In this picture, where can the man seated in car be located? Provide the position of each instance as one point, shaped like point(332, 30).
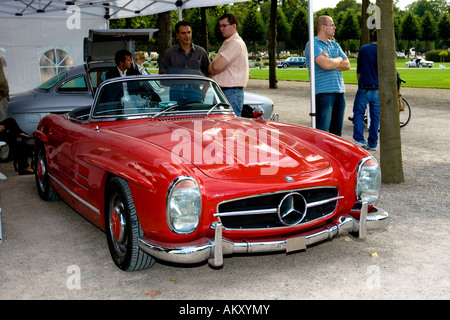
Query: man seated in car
point(123, 65)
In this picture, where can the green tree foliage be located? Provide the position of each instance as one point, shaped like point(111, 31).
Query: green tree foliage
point(283, 27)
point(435, 7)
point(290, 7)
point(411, 29)
point(345, 5)
point(299, 28)
point(292, 26)
point(429, 27)
point(253, 27)
point(348, 27)
point(444, 27)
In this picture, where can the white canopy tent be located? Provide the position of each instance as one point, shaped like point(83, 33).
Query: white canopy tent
point(111, 9)
point(29, 27)
point(26, 40)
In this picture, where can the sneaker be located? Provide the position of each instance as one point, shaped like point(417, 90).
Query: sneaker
point(360, 144)
point(371, 148)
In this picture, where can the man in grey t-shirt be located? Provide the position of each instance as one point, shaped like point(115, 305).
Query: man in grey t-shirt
point(185, 57)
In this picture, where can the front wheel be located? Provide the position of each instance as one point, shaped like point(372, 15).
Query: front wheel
point(123, 229)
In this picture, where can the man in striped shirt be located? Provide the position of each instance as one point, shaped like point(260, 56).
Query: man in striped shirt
point(230, 66)
point(329, 60)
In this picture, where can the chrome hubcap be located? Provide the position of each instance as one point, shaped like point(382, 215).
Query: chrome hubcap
point(117, 225)
point(41, 171)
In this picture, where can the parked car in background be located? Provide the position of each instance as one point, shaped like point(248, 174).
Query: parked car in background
point(419, 63)
point(401, 55)
point(186, 181)
point(293, 62)
point(76, 87)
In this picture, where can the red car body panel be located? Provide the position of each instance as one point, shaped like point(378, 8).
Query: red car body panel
point(231, 159)
point(81, 157)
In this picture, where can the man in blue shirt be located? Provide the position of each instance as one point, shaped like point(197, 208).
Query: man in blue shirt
point(329, 60)
point(367, 74)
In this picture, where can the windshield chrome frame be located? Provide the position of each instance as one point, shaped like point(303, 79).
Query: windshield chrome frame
point(218, 95)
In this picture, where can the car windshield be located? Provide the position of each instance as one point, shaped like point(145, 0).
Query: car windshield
point(158, 96)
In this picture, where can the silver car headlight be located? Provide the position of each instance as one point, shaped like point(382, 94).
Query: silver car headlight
point(368, 182)
point(183, 205)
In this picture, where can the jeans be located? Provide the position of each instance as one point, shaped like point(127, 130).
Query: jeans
point(183, 95)
point(364, 97)
point(330, 108)
point(235, 97)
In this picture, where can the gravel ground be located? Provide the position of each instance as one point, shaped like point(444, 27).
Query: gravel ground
point(51, 252)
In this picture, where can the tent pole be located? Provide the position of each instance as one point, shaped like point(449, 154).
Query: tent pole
point(312, 63)
point(179, 4)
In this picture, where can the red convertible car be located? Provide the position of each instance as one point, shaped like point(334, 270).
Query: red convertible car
point(165, 168)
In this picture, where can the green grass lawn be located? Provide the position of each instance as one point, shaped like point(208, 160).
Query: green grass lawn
point(418, 78)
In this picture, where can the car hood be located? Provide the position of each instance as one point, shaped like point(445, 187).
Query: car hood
point(232, 147)
point(34, 101)
point(25, 96)
point(256, 99)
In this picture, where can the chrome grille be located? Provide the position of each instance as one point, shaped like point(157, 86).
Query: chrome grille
point(265, 211)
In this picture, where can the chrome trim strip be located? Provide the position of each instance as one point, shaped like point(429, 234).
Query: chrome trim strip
point(79, 175)
point(244, 213)
point(78, 184)
point(319, 203)
point(91, 207)
point(73, 179)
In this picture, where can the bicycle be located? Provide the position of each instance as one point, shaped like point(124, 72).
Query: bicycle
point(405, 111)
point(404, 116)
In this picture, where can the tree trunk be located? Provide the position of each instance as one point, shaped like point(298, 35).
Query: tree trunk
point(164, 36)
point(365, 39)
point(204, 29)
point(273, 45)
point(390, 139)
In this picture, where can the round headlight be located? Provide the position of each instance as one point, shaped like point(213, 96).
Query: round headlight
point(183, 205)
point(368, 182)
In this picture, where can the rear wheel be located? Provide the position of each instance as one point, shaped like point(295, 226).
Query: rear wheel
point(405, 115)
point(123, 229)
point(44, 187)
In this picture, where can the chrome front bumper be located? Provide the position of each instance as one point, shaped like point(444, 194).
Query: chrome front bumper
point(214, 250)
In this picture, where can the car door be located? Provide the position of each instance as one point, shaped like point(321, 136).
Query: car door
point(62, 141)
point(74, 92)
point(302, 61)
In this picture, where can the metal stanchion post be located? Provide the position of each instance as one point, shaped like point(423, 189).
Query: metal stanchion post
point(1, 236)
